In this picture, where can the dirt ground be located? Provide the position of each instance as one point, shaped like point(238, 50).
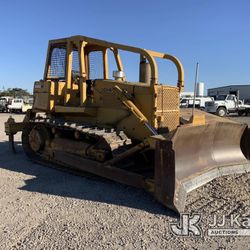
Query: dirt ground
point(43, 208)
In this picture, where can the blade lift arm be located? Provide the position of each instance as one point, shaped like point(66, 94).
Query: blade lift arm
point(133, 109)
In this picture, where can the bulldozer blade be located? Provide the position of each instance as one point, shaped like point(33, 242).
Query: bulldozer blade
point(194, 155)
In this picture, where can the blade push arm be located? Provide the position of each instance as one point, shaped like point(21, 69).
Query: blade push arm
point(134, 110)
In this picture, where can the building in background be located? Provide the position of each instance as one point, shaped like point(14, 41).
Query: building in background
point(243, 90)
point(186, 94)
point(199, 91)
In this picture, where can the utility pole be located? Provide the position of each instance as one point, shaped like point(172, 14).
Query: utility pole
point(195, 86)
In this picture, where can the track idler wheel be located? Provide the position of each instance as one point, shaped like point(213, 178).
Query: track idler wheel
point(34, 138)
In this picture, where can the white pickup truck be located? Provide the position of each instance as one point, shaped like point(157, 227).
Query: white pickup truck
point(18, 105)
point(226, 104)
point(187, 102)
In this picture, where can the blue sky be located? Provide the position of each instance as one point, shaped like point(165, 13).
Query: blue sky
point(215, 33)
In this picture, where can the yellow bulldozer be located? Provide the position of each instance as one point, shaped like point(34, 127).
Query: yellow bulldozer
point(130, 132)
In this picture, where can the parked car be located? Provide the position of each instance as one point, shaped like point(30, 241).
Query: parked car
point(199, 102)
point(226, 104)
point(18, 105)
point(3, 105)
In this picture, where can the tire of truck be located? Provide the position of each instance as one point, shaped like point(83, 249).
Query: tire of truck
point(221, 111)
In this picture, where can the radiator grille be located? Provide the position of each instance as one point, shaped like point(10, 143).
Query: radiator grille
point(168, 107)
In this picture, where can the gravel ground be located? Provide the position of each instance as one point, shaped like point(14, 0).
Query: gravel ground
point(43, 208)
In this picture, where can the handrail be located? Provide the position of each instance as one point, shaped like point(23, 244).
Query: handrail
point(178, 64)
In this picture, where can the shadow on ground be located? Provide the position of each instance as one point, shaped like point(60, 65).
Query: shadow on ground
point(55, 182)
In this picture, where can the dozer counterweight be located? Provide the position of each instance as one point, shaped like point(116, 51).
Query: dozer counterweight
point(130, 132)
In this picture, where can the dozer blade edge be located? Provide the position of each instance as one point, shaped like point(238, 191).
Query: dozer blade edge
point(195, 155)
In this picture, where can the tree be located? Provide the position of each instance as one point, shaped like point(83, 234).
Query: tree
point(15, 92)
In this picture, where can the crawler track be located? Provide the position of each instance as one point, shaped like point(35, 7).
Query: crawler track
point(116, 142)
point(113, 138)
